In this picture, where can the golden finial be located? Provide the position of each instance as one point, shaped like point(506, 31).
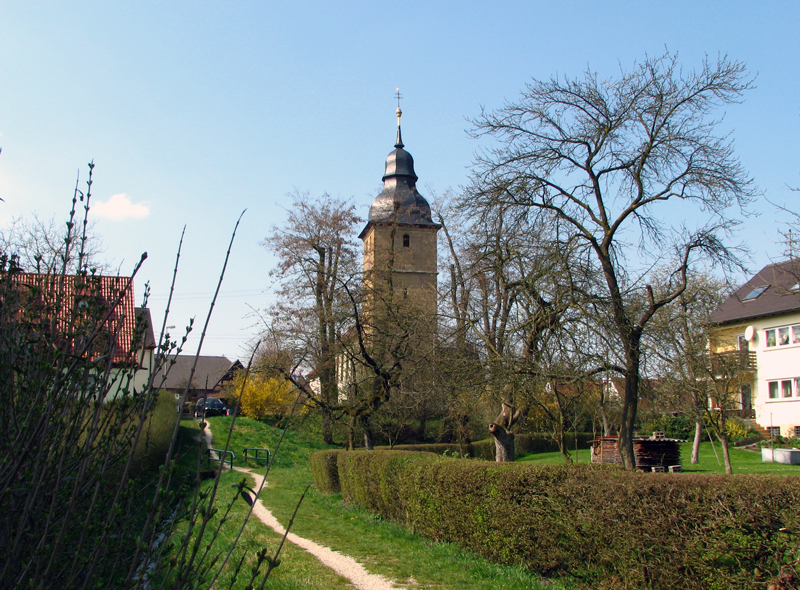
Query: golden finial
point(398, 96)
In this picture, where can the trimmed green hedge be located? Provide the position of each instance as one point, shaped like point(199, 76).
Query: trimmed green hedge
point(529, 443)
point(453, 449)
point(600, 525)
point(484, 449)
point(325, 468)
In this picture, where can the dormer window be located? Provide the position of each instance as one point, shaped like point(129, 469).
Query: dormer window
point(406, 241)
point(755, 293)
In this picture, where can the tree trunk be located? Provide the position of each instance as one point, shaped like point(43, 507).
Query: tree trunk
point(351, 435)
point(604, 418)
point(327, 426)
point(562, 446)
point(628, 425)
point(561, 433)
point(698, 436)
point(366, 426)
point(722, 435)
point(503, 443)
point(726, 454)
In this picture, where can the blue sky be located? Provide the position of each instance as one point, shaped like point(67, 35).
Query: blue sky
point(197, 110)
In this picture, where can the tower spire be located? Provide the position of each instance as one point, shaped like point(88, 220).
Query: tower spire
point(399, 143)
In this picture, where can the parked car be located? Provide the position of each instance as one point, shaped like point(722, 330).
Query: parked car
point(213, 407)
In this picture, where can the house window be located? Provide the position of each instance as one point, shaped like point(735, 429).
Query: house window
point(784, 388)
point(406, 240)
point(774, 430)
point(797, 430)
point(783, 336)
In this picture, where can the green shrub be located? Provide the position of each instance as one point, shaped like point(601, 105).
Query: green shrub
point(157, 431)
point(543, 443)
point(537, 442)
point(483, 449)
point(451, 449)
point(672, 426)
point(738, 430)
point(325, 469)
point(372, 479)
point(600, 525)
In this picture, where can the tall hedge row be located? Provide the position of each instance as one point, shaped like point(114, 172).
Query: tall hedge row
point(529, 443)
point(599, 525)
point(484, 449)
point(325, 469)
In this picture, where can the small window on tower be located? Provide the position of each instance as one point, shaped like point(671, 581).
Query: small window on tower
point(406, 240)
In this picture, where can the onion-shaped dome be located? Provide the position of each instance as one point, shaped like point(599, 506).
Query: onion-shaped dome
point(400, 202)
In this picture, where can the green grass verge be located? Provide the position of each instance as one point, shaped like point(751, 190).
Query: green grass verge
point(742, 460)
point(298, 570)
point(381, 546)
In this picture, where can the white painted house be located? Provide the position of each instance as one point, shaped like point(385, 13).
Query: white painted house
point(763, 316)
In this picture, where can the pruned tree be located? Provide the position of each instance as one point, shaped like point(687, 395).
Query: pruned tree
point(602, 157)
point(316, 250)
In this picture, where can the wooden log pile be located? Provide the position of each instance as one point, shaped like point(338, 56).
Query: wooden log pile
point(649, 452)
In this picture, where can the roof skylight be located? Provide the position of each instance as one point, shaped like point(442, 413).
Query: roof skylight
point(755, 293)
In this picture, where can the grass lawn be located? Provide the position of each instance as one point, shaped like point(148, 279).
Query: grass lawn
point(298, 570)
point(742, 460)
point(382, 547)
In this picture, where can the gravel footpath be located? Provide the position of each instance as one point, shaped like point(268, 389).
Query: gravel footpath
point(342, 564)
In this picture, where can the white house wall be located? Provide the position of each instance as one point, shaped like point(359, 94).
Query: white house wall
point(775, 364)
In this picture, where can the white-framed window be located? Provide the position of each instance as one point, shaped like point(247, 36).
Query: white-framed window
point(774, 430)
point(784, 388)
point(783, 336)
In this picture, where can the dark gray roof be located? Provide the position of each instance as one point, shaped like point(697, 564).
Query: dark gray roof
point(143, 316)
point(780, 296)
point(208, 374)
point(400, 202)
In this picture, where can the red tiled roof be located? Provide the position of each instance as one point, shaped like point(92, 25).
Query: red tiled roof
point(62, 295)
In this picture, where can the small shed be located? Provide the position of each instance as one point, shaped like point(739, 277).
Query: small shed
point(656, 453)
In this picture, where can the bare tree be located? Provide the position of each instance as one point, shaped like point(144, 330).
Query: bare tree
point(677, 343)
point(316, 249)
point(600, 156)
point(39, 245)
point(520, 285)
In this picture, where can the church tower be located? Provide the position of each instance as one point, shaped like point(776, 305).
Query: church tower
point(400, 260)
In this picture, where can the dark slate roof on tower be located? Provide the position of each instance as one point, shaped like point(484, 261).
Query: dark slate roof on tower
point(400, 202)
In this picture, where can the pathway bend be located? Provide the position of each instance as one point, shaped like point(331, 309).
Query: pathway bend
point(344, 565)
